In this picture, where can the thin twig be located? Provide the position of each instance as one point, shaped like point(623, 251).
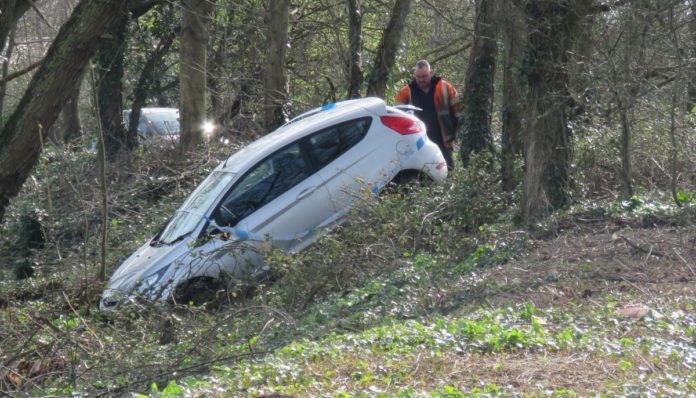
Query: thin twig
point(89, 329)
point(102, 177)
point(189, 370)
point(685, 262)
point(640, 289)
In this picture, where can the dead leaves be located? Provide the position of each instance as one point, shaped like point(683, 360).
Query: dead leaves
point(29, 371)
point(634, 312)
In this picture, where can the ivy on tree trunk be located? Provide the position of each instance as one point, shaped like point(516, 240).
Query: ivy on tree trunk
point(355, 73)
point(554, 26)
point(386, 51)
point(512, 24)
point(275, 79)
point(475, 134)
point(109, 65)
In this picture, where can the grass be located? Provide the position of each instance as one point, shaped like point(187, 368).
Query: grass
point(441, 296)
point(581, 347)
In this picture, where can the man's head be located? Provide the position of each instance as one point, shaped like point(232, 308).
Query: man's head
point(423, 75)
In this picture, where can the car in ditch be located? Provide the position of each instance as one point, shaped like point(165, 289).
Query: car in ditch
point(286, 190)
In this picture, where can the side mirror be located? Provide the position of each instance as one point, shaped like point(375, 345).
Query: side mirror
point(210, 233)
point(216, 232)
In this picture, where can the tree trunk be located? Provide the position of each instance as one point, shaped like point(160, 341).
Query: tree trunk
point(10, 12)
point(355, 73)
point(513, 95)
point(49, 89)
point(6, 68)
point(219, 65)
point(162, 99)
point(146, 82)
point(192, 75)
point(626, 173)
point(691, 85)
point(109, 73)
point(475, 134)
point(387, 48)
point(274, 80)
point(625, 95)
point(674, 174)
point(548, 145)
point(72, 127)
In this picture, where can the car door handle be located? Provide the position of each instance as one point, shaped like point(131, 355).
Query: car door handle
point(306, 192)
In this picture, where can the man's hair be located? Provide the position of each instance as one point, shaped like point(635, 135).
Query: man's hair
point(422, 64)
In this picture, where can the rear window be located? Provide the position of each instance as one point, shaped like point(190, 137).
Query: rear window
point(328, 144)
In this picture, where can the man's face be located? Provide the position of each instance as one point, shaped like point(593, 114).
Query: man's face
point(423, 77)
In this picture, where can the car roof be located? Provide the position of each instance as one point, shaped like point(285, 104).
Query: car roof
point(158, 110)
point(299, 126)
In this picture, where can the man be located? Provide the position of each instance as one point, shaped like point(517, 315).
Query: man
point(437, 99)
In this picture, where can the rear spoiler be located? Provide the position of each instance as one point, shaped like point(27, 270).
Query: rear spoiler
point(408, 108)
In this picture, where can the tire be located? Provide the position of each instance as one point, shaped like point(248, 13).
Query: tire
point(406, 180)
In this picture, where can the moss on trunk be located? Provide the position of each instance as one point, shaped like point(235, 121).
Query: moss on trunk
point(49, 90)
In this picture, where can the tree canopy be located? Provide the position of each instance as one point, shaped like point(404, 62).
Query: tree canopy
point(566, 68)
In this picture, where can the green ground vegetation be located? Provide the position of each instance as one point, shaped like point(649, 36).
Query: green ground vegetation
point(429, 291)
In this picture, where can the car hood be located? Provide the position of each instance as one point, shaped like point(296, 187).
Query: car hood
point(145, 262)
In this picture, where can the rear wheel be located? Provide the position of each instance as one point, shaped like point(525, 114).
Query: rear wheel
point(406, 180)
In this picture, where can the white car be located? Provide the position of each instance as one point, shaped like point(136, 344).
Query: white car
point(286, 189)
point(156, 125)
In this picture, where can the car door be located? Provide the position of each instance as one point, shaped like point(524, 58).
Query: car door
point(281, 199)
point(343, 164)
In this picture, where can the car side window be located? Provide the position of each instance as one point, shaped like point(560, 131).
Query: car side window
point(264, 182)
point(328, 144)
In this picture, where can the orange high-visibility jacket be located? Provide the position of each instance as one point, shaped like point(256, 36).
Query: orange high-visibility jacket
point(445, 99)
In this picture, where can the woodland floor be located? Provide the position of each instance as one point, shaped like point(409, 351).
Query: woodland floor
point(628, 292)
point(638, 271)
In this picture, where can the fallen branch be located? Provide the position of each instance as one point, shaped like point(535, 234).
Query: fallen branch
point(685, 262)
point(640, 249)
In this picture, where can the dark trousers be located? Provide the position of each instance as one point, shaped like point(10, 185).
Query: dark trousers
point(447, 153)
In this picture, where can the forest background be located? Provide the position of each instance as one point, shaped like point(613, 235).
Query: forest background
point(575, 116)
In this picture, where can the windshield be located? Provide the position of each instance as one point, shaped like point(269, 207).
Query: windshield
point(165, 123)
point(155, 121)
point(194, 208)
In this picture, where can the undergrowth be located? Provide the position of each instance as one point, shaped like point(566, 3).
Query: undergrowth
point(427, 291)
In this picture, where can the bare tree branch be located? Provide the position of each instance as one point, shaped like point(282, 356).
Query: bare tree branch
point(41, 16)
point(20, 72)
point(605, 7)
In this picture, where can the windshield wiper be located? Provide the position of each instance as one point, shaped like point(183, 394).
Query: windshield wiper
point(177, 239)
point(156, 241)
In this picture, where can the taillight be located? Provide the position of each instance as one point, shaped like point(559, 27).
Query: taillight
point(403, 124)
